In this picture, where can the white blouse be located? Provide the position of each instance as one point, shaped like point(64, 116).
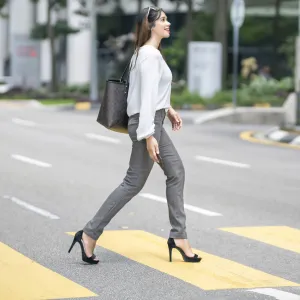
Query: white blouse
point(149, 88)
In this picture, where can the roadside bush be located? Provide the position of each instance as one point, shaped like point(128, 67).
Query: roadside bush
point(76, 89)
point(244, 98)
point(185, 97)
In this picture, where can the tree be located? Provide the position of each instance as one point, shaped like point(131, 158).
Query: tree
point(155, 2)
point(189, 28)
point(51, 31)
point(188, 19)
point(276, 32)
point(140, 5)
point(221, 31)
point(2, 5)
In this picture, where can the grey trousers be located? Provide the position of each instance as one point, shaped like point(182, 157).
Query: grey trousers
point(140, 166)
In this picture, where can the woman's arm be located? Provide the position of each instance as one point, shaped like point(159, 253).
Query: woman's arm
point(150, 76)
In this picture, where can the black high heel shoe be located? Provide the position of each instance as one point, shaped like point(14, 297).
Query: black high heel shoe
point(171, 245)
point(78, 239)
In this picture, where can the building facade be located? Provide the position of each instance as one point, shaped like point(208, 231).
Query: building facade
point(23, 15)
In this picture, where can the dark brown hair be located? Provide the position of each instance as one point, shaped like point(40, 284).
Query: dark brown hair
point(144, 23)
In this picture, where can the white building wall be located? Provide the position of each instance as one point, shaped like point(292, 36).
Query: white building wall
point(21, 17)
point(78, 48)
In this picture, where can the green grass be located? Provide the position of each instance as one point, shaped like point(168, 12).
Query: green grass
point(56, 101)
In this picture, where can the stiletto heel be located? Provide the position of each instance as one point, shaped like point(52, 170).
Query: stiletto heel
point(171, 245)
point(85, 258)
point(170, 252)
point(73, 243)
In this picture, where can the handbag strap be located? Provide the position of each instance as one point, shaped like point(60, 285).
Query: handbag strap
point(123, 75)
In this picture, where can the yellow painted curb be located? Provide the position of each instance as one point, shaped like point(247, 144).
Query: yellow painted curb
point(248, 136)
point(83, 106)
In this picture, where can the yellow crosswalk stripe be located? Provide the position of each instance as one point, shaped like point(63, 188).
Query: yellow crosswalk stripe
point(280, 236)
point(23, 278)
point(212, 273)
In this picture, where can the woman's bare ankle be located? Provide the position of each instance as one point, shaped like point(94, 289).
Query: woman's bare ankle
point(88, 238)
point(89, 244)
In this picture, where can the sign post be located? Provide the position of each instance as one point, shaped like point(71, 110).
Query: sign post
point(237, 15)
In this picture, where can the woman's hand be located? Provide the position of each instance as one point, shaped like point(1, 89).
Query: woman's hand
point(175, 119)
point(152, 147)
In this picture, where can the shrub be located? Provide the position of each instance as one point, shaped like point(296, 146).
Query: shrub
point(185, 97)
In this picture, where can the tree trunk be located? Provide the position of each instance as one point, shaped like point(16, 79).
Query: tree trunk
point(140, 5)
point(276, 29)
point(155, 2)
point(52, 49)
point(220, 33)
point(189, 21)
point(189, 31)
point(276, 23)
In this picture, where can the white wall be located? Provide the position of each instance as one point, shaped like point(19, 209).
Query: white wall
point(21, 17)
point(78, 48)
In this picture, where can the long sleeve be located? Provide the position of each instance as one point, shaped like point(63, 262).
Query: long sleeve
point(150, 75)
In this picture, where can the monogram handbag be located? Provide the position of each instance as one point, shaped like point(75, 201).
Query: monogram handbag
point(113, 109)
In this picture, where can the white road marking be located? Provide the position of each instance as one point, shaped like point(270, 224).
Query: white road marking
point(102, 138)
point(31, 161)
point(35, 209)
point(187, 206)
point(277, 294)
point(23, 122)
point(223, 162)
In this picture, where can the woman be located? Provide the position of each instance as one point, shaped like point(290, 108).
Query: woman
point(148, 104)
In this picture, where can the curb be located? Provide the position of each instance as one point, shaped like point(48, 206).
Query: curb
point(283, 136)
point(275, 137)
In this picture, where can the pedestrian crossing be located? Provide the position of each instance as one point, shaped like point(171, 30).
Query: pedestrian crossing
point(34, 281)
point(213, 273)
point(279, 236)
point(23, 278)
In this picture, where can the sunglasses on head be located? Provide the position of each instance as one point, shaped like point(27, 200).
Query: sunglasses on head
point(154, 8)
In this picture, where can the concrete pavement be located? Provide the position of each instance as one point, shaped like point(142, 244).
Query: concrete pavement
point(67, 164)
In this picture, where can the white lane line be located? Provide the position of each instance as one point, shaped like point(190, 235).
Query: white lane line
point(102, 138)
point(35, 209)
point(279, 295)
point(31, 161)
point(23, 122)
point(223, 162)
point(186, 206)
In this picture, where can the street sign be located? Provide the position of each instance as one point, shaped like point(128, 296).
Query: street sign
point(25, 61)
point(237, 13)
point(205, 68)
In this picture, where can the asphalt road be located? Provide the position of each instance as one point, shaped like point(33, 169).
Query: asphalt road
point(242, 205)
